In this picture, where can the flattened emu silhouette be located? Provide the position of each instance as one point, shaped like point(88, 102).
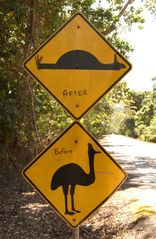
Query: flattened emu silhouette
point(79, 60)
point(71, 175)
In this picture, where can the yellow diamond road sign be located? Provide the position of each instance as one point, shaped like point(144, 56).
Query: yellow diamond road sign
point(75, 175)
point(77, 65)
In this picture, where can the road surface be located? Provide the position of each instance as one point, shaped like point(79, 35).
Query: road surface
point(138, 158)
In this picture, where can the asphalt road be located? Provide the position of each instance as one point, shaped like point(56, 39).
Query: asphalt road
point(138, 158)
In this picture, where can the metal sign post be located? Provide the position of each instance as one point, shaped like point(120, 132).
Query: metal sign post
point(76, 233)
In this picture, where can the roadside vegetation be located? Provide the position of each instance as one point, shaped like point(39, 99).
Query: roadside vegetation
point(29, 117)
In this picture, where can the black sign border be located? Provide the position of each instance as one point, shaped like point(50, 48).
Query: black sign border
point(44, 197)
point(100, 35)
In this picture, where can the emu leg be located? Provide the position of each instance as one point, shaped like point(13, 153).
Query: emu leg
point(72, 191)
point(65, 192)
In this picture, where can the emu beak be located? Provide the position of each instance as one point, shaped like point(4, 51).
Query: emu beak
point(97, 152)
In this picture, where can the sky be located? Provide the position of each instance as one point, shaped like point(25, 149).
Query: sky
point(143, 59)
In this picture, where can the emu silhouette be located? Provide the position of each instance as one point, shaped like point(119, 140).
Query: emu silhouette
point(70, 175)
point(78, 59)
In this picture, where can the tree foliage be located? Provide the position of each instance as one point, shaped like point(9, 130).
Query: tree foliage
point(151, 6)
point(97, 120)
point(134, 113)
point(145, 117)
point(28, 115)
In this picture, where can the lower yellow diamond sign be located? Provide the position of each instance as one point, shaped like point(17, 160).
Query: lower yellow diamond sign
point(75, 174)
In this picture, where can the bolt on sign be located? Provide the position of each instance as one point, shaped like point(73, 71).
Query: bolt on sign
point(77, 65)
point(76, 169)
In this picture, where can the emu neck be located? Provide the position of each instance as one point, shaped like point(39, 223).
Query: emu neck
point(91, 175)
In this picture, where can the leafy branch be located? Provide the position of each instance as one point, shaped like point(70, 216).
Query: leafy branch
point(113, 25)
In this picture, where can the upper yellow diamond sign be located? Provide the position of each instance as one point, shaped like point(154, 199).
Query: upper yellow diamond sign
point(77, 65)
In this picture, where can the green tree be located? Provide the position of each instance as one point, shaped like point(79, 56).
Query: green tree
point(145, 115)
point(151, 6)
point(20, 35)
point(150, 131)
point(97, 120)
point(122, 121)
point(28, 114)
